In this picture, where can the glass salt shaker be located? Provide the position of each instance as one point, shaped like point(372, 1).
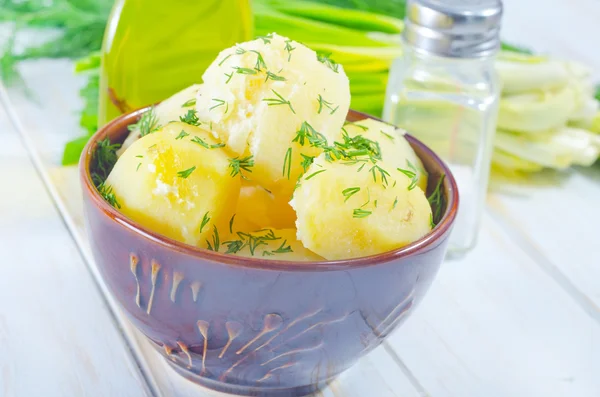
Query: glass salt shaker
point(444, 90)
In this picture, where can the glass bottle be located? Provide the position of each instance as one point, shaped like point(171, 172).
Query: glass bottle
point(445, 91)
point(154, 48)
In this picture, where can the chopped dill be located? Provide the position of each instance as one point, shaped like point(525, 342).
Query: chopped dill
point(191, 118)
point(350, 192)
point(186, 173)
point(279, 101)
point(187, 104)
point(287, 163)
point(328, 105)
point(205, 221)
point(238, 165)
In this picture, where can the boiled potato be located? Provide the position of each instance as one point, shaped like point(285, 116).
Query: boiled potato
point(261, 209)
point(259, 94)
point(177, 182)
point(271, 244)
point(171, 109)
point(344, 213)
point(395, 149)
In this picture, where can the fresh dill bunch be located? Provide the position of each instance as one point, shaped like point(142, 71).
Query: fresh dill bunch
point(107, 193)
point(147, 124)
point(103, 160)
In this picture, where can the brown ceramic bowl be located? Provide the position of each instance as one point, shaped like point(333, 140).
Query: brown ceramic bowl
point(250, 326)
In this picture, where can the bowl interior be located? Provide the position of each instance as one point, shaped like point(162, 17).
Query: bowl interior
point(117, 132)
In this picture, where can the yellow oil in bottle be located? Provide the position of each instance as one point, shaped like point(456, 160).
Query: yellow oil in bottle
point(154, 48)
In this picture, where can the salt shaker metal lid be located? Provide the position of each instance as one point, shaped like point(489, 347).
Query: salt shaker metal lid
point(454, 28)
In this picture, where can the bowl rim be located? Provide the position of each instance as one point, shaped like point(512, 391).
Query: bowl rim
point(422, 245)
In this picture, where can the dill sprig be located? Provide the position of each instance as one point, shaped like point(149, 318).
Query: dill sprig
point(436, 200)
point(328, 105)
point(220, 102)
point(347, 193)
point(395, 203)
point(229, 77)
point(314, 174)
point(283, 248)
point(274, 77)
point(306, 161)
point(260, 61)
point(360, 213)
point(266, 39)
point(225, 59)
point(383, 174)
point(287, 163)
point(186, 173)
point(412, 173)
point(240, 51)
point(188, 103)
point(107, 193)
point(231, 223)
point(238, 165)
point(147, 124)
point(323, 57)
point(388, 136)
point(216, 243)
point(205, 221)
point(191, 118)
point(204, 144)
point(182, 135)
point(279, 101)
point(289, 49)
point(308, 133)
point(240, 70)
point(103, 160)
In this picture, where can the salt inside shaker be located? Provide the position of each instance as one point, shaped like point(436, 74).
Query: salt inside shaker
point(444, 90)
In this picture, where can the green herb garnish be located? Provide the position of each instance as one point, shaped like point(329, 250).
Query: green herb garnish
point(436, 200)
point(147, 124)
point(239, 70)
point(220, 102)
point(328, 105)
point(383, 174)
point(187, 104)
point(275, 77)
point(323, 57)
point(107, 193)
point(205, 221)
point(186, 173)
point(314, 174)
point(182, 135)
point(278, 101)
point(216, 244)
point(287, 163)
point(191, 118)
point(260, 61)
point(229, 76)
point(231, 223)
point(266, 39)
point(281, 250)
point(388, 136)
point(360, 213)
point(350, 192)
point(289, 49)
point(306, 161)
point(204, 144)
point(103, 160)
point(238, 165)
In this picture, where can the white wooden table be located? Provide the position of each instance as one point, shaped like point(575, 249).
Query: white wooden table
point(519, 316)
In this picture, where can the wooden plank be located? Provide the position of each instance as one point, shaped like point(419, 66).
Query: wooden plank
point(495, 325)
point(52, 127)
point(57, 337)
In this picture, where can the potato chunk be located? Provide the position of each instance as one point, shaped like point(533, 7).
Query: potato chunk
point(348, 210)
point(259, 94)
point(260, 209)
point(177, 182)
point(271, 244)
point(395, 149)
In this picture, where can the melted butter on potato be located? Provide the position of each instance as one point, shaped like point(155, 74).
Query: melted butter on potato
point(345, 212)
point(260, 93)
point(175, 186)
point(261, 209)
point(395, 149)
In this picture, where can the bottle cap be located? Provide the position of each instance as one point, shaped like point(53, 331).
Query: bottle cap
point(454, 28)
